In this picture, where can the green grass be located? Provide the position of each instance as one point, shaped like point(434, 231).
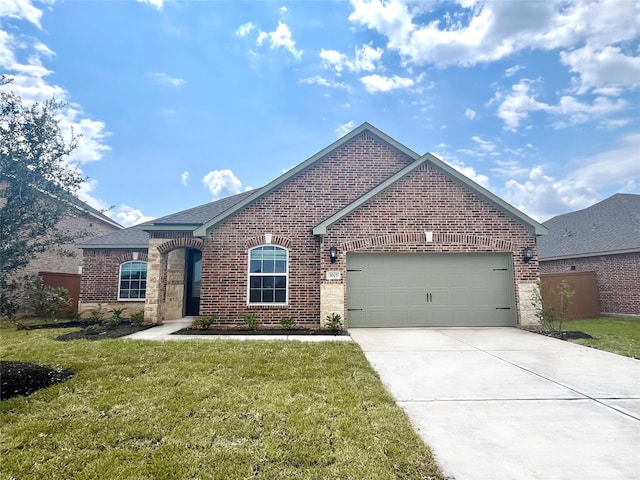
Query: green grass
point(211, 410)
point(613, 334)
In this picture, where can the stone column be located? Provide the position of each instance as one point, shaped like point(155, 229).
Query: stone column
point(527, 312)
point(154, 279)
point(175, 286)
point(331, 301)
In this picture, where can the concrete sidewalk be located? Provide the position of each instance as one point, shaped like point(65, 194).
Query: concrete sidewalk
point(502, 403)
point(164, 332)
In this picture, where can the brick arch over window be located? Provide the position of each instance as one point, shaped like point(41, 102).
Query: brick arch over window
point(420, 238)
point(196, 243)
point(128, 257)
point(268, 239)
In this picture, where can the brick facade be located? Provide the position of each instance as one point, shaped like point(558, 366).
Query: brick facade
point(53, 261)
point(100, 278)
point(424, 200)
point(393, 221)
point(618, 279)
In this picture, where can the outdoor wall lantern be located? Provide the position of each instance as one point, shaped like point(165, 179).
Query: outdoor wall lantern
point(527, 254)
point(333, 254)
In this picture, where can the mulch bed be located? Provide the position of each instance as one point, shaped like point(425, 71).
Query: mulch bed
point(102, 332)
point(22, 378)
point(259, 331)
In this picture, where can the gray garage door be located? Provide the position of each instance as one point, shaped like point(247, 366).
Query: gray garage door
point(405, 290)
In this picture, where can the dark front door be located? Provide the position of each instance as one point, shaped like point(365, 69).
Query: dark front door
point(194, 277)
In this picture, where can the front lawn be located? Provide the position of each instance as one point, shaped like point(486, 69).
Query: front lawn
point(205, 409)
point(614, 334)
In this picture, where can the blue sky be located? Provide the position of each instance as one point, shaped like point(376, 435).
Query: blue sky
point(182, 102)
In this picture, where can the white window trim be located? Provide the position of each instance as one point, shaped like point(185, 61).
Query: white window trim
point(286, 275)
point(120, 280)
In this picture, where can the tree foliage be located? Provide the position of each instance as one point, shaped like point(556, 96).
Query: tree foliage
point(37, 186)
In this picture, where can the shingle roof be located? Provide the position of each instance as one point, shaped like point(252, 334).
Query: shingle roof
point(612, 225)
point(132, 237)
point(138, 236)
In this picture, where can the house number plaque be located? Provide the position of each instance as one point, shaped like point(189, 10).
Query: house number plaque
point(334, 275)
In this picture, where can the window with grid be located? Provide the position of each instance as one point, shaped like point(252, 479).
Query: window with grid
point(133, 281)
point(268, 274)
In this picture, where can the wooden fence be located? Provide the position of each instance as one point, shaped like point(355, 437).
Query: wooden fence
point(70, 281)
point(586, 301)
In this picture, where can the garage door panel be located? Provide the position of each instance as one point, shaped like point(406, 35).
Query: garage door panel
point(430, 290)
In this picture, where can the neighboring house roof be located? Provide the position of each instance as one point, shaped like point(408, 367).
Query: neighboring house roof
point(97, 214)
point(138, 236)
point(534, 227)
point(608, 227)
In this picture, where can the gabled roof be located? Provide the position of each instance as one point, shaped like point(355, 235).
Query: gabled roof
point(365, 127)
point(132, 237)
point(610, 226)
point(534, 227)
point(194, 217)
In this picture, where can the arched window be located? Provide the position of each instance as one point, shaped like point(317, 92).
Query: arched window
point(268, 275)
point(133, 281)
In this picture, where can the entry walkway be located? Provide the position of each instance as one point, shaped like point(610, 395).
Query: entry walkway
point(502, 403)
point(164, 332)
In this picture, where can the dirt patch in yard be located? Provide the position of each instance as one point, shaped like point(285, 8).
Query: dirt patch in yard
point(101, 332)
point(23, 378)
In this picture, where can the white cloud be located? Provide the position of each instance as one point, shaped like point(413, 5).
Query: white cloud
point(21, 9)
point(489, 31)
point(245, 29)
point(124, 214)
point(468, 171)
point(155, 3)
point(91, 135)
point(165, 79)
point(185, 178)
point(376, 83)
point(543, 196)
point(509, 72)
point(605, 68)
point(484, 145)
point(365, 59)
point(129, 216)
point(319, 80)
point(222, 183)
point(280, 38)
point(345, 128)
point(470, 114)
point(514, 107)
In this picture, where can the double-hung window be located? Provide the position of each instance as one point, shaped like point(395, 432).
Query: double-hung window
point(268, 275)
point(133, 281)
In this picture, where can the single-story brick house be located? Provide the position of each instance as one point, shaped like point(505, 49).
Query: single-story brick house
point(603, 238)
point(365, 228)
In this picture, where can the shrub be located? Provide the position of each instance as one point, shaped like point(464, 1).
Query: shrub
point(251, 320)
point(137, 317)
point(92, 329)
point(288, 323)
point(112, 322)
point(204, 323)
point(96, 315)
point(117, 312)
point(71, 315)
point(52, 300)
point(334, 322)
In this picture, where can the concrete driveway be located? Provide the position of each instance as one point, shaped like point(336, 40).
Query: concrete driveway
point(502, 403)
